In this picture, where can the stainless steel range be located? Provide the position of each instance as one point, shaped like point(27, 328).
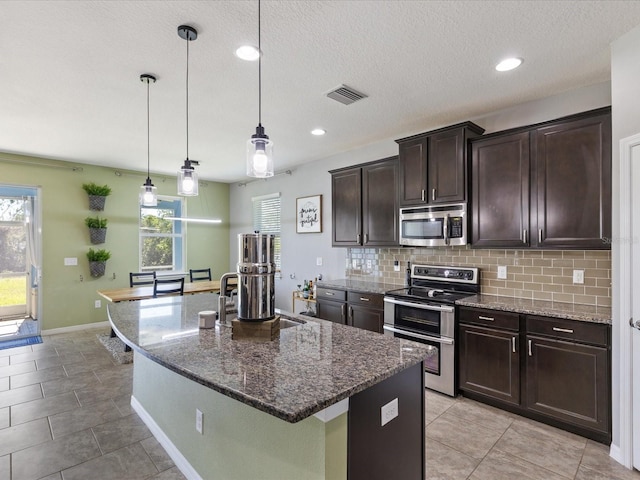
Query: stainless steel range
point(425, 312)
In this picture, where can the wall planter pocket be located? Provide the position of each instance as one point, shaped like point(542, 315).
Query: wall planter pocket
point(97, 229)
point(97, 261)
point(97, 195)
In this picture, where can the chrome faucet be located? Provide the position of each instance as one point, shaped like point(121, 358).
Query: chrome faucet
point(222, 299)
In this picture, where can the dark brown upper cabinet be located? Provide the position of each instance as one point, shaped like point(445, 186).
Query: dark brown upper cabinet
point(433, 165)
point(500, 191)
point(544, 186)
point(365, 204)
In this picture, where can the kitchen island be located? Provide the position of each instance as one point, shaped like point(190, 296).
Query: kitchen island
point(320, 401)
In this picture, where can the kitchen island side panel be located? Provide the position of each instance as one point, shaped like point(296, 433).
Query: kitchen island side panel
point(238, 441)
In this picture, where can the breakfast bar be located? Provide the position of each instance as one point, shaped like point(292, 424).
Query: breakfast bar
point(321, 401)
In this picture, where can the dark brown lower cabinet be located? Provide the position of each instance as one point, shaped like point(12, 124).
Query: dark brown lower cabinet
point(568, 382)
point(553, 370)
point(489, 363)
point(360, 310)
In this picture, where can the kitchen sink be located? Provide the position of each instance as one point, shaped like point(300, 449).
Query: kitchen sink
point(286, 322)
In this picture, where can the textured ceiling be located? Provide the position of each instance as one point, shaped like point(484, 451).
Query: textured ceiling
point(70, 89)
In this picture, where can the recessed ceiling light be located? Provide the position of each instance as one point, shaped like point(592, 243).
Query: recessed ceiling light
point(248, 52)
point(509, 64)
point(318, 131)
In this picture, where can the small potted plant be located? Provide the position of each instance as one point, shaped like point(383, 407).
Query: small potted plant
point(98, 261)
point(97, 195)
point(97, 229)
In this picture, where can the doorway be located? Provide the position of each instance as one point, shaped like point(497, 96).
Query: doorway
point(20, 246)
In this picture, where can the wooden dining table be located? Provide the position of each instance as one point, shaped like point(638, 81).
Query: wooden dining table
point(146, 291)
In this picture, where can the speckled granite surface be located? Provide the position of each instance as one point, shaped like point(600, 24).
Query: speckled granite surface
point(571, 311)
point(308, 368)
point(359, 285)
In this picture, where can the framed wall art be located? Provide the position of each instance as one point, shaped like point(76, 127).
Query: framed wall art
point(309, 214)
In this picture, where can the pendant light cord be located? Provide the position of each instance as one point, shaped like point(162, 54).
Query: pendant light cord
point(148, 148)
point(188, 40)
point(259, 71)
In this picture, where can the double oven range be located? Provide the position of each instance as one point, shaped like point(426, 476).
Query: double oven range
point(425, 312)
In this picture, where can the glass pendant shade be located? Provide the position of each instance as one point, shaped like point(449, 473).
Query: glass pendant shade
point(148, 194)
point(259, 155)
point(187, 180)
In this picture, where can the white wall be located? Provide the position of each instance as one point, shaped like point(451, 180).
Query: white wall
point(299, 251)
point(625, 103)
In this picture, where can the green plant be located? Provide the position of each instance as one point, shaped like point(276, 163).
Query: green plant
point(97, 190)
point(98, 255)
point(95, 222)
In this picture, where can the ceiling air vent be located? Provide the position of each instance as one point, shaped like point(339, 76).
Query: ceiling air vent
point(345, 95)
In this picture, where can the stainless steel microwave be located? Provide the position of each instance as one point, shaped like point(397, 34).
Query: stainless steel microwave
point(439, 225)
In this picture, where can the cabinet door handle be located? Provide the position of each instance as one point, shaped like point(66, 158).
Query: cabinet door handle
point(351, 313)
point(524, 236)
point(480, 317)
point(539, 235)
point(530, 354)
point(364, 299)
point(513, 344)
point(358, 238)
point(342, 312)
point(366, 238)
point(331, 294)
point(433, 194)
point(423, 195)
point(565, 330)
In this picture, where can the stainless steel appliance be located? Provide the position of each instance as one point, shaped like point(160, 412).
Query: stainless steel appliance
point(425, 312)
point(256, 277)
point(434, 226)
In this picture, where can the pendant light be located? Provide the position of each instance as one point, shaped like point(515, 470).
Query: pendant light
point(187, 176)
point(148, 192)
point(259, 147)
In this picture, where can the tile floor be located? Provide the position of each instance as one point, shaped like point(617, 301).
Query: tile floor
point(65, 415)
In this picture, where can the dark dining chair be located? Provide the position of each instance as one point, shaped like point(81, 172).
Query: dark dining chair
point(168, 286)
point(232, 288)
point(141, 278)
point(199, 274)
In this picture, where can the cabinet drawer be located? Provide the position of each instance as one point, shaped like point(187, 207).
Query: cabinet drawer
point(493, 318)
point(331, 294)
point(593, 333)
point(373, 300)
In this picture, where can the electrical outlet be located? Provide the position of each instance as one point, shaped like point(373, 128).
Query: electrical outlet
point(578, 276)
point(318, 261)
point(97, 304)
point(369, 264)
point(388, 412)
point(199, 420)
point(502, 272)
point(396, 266)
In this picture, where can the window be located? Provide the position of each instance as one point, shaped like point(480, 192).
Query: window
point(162, 239)
point(266, 219)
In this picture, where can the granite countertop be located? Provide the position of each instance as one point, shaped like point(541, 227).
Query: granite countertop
point(359, 285)
point(308, 368)
point(571, 311)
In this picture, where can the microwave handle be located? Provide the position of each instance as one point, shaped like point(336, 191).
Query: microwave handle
point(446, 230)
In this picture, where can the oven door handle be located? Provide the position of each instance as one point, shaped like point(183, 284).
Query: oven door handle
point(444, 341)
point(421, 306)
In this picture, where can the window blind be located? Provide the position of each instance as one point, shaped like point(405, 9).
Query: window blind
point(266, 219)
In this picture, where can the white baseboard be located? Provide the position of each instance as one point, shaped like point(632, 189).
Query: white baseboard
point(75, 328)
point(183, 465)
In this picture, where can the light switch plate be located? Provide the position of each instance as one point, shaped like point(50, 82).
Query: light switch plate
point(318, 261)
point(97, 304)
point(70, 261)
point(388, 412)
point(578, 276)
point(502, 272)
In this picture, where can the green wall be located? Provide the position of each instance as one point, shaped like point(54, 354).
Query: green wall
point(238, 442)
point(68, 300)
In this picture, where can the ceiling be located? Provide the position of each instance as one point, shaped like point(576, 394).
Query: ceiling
point(70, 88)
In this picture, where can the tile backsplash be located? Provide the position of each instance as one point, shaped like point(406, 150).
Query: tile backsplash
point(536, 274)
